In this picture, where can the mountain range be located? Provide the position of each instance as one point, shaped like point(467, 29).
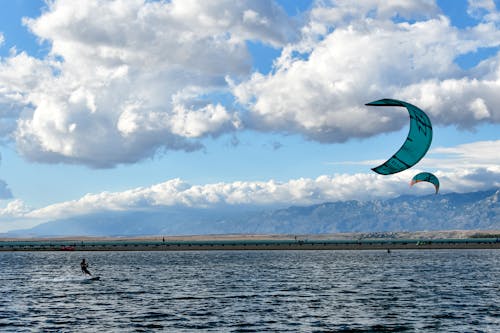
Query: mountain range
point(452, 211)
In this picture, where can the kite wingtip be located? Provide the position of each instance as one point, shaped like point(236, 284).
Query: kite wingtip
point(386, 102)
point(377, 171)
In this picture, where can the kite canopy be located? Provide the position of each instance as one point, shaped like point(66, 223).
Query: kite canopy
point(417, 143)
point(426, 177)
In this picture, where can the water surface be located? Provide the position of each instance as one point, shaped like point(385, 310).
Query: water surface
point(246, 291)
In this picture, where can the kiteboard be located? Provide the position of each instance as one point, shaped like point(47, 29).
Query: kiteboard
point(95, 278)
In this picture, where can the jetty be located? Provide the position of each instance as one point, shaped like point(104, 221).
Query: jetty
point(246, 242)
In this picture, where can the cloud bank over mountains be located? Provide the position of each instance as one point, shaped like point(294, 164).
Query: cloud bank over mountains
point(470, 211)
point(176, 193)
point(144, 76)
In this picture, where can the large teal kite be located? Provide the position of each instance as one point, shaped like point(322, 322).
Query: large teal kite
point(426, 177)
point(417, 143)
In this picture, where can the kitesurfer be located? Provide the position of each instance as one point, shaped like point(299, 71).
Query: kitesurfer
point(84, 265)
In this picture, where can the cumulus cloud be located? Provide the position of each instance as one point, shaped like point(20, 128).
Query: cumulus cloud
point(15, 208)
point(353, 53)
point(147, 75)
point(137, 77)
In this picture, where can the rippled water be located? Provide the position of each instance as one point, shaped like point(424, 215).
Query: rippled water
point(438, 290)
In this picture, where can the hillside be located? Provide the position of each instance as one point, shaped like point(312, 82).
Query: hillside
point(454, 211)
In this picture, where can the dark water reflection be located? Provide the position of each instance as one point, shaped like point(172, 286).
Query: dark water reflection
point(349, 291)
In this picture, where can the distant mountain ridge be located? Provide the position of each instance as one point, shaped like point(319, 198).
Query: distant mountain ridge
point(453, 211)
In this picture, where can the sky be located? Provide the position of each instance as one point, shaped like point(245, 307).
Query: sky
point(133, 105)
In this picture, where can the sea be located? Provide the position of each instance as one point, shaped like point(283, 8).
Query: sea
point(252, 291)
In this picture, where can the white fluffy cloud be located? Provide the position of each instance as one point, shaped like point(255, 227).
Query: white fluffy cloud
point(124, 78)
point(14, 209)
point(352, 53)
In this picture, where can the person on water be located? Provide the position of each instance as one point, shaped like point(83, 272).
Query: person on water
point(84, 265)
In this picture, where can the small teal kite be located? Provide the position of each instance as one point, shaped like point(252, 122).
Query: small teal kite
point(426, 177)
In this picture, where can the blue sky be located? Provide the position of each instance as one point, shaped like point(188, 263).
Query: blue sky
point(136, 105)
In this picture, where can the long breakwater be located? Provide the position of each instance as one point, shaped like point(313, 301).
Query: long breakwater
point(202, 245)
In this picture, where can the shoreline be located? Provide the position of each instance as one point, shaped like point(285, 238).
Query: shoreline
point(246, 244)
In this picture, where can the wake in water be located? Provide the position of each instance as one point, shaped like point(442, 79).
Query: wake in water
point(63, 275)
point(72, 278)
